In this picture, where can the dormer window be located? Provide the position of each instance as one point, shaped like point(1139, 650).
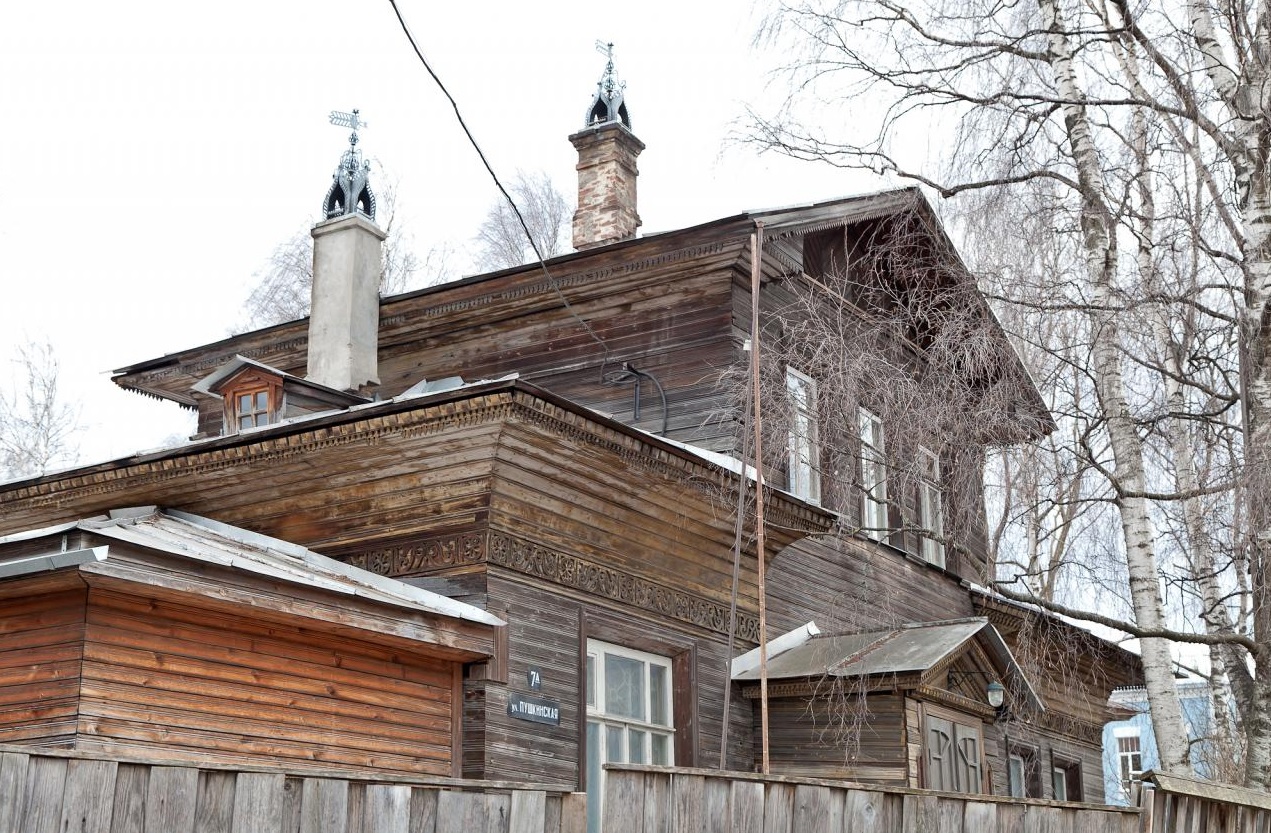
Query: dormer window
point(252, 409)
point(252, 399)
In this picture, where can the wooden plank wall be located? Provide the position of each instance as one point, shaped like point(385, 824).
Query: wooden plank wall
point(46, 793)
point(178, 682)
point(665, 800)
point(41, 649)
point(837, 734)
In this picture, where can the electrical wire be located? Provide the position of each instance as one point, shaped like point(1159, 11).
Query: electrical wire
point(517, 211)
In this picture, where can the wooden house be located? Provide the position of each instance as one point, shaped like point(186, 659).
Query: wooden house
point(574, 469)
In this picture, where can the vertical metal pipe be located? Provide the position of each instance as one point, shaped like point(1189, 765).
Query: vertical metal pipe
point(756, 268)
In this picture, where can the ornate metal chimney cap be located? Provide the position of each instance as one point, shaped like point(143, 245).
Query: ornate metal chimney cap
point(350, 191)
point(607, 105)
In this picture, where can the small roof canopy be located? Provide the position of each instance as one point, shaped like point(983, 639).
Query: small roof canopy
point(912, 649)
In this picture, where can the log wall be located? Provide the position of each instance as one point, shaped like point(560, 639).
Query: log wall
point(41, 651)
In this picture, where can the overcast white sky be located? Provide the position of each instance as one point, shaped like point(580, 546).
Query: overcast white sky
point(156, 152)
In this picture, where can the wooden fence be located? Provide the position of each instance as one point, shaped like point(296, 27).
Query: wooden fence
point(46, 791)
point(672, 800)
point(1173, 803)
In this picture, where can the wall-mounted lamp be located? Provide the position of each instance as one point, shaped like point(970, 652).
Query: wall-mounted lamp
point(996, 694)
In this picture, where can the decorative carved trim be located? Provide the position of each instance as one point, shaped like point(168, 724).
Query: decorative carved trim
point(414, 557)
point(615, 585)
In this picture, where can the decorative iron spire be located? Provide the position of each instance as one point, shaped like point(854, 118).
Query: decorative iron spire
point(607, 105)
point(350, 191)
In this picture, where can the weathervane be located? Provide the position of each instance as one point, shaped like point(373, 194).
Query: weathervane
point(350, 192)
point(608, 105)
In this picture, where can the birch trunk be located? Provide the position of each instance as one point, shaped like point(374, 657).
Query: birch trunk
point(1127, 450)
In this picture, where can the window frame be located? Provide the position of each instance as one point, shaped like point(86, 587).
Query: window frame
point(1127, 774)
point(930, 507)
point(1029, 771)
point(596, 713)
point(962, 727)
point(251, 383)
point(871, 433)
point(803, 472)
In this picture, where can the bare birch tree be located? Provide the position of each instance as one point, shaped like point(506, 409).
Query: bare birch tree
point(1109, 109)
point(37, 427)
point(501, 242)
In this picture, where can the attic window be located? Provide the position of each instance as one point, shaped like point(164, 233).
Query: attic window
point(252, 408)
point(252, 399)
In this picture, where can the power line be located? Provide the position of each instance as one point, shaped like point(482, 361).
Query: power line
point(517, 211)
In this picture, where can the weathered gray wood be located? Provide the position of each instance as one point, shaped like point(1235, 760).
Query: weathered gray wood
point(624, 807)
point(13, 789)
point(292, 798)
point(657, 802)
point(746, 806)
point(258, 802)
point(214, 812)
point(812, 809)
point(864, 812)
point(921, 814)
point(778, 810)
point(46, 781)
point(131, 785)
point(89, 800)
point(171, 798)
point(459, 812)
point(423, 811)
point(688, 802)
point(573, 813)
point(978, 815)
point(498, 808)
point(386, 809)
point(715, 817)
point(324, 806)
point(529, 812)
point(949, 815)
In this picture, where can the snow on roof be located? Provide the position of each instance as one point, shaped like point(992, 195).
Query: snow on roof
point(211, 542)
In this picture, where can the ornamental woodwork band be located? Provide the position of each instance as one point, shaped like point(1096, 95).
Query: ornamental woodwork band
point(416, 557)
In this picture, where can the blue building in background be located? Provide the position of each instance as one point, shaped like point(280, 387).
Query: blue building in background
point(1129, 746)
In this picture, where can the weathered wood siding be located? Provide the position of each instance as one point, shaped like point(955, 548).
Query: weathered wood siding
point(838, 733)
point(849, 584)
point(187, 683)
point(41, 651)
point(58, 792)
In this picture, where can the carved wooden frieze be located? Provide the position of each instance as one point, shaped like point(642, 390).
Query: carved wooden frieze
point(414, 557)
point(615, 585)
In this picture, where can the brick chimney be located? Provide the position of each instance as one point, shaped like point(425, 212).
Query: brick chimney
point(607, 151)
point(344, 317)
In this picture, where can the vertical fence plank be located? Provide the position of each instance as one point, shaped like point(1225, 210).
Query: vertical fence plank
point(657, 802)
point(687, 799)
point(747, 807)
point(865, 812)
point(423, 810)
point(131, 785)
point(778, 808)
point(811, 809)
point(716, 817)
point(258, 802)
point(949, 815)
point(497, 810)
point(89, 800)
point(214, 810)
point(459, 812)
point(171, 796)
point(920, 814)
point(13, 789)
point(979, 815)
point(46, 781)
point(529, 812)
point(386, 809)
point(573, 813)
point(624, 805)
point(324, 806)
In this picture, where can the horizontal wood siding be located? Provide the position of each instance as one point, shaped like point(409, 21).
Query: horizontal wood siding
point(189, 683)
point(41, 652)
point(849, 585)
point(838, 734)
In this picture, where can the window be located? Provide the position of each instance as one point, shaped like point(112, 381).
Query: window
point(873, 476)
point(804, 478)
point(1129, 757)
point(1022, 776)
point(952, 755)
point(629, 714)
point(930, 506)
point(1065, 778)
point(252, 409)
